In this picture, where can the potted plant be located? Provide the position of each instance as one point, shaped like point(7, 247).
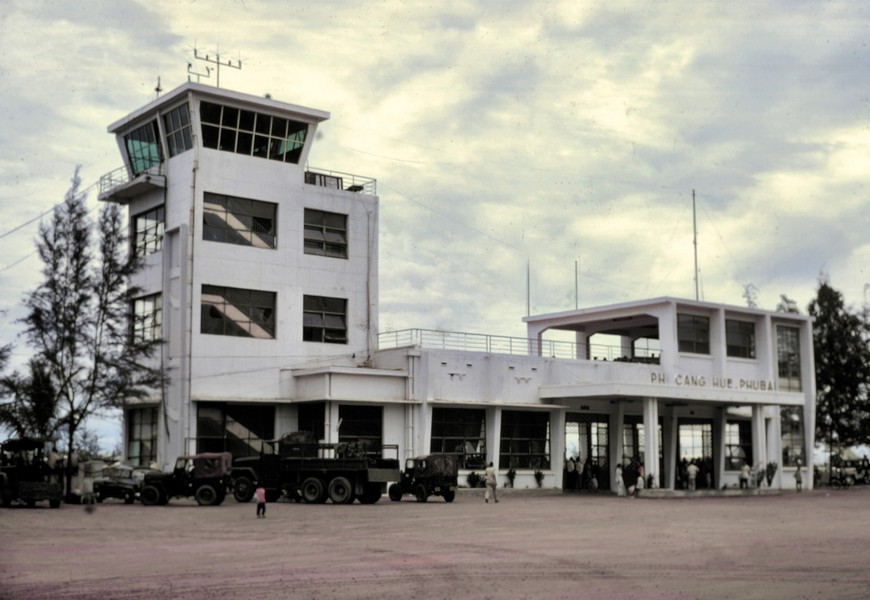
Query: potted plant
point(473, 480)
point(539, 477)
point(770, 471)
point(511, 475)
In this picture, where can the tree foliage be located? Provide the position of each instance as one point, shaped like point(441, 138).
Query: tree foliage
point(77, 319)
point(842, 357)
point(33, 408)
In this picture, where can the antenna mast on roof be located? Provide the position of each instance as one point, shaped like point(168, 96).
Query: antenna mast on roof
point(214, 60)
point(695, 230)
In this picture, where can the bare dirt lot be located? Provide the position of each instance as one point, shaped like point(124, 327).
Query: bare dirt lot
point(533, 544)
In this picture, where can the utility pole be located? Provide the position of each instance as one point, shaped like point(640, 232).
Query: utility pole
point(695, 230)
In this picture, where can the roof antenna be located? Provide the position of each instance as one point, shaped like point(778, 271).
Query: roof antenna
point(158, 89)
point(214, 60)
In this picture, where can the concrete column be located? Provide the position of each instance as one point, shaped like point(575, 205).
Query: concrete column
point(651, 438)
point(614, 444)
point(493, 436)
point(670, 432)
point(719, 426)
point(759, 441)
point(557, 445)
point(774, 443)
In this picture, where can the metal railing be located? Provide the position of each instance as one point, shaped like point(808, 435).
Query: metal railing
point(121, 176)
point(341, 181)
point(494, 344)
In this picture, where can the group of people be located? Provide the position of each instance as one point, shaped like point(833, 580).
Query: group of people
point(632, 478)
point(580, 475)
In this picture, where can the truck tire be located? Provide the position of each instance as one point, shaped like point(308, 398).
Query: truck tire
point(243, 489)
point(449, 495)
point(341, 490)
point(395, 492)
point(206, 495)
point(129, 497)
point(312, 491)
point(54, 503)
point(421, 493)
point(150, 495)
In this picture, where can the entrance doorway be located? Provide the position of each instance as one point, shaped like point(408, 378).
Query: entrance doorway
point(586, 441)
point(695, 447)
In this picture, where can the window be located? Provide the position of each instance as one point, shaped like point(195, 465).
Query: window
point(233, 311)
point(696, 440)
point(238, 221)
point(740, 338)
point(312, 418)
point(236, 428)
point(525, 440)
point(324, 320)
point(694, 334)
point(738, 445)
point(325, 233)
point(361, 424)
point(142, 436)
point(143, 151)
point(792, 426)
point(462, 432)
point(176, 123)
point(148, 318)
point(148, 232)
point(788, 358)
point(251, 133)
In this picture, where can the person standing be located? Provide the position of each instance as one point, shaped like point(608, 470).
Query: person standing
point(620, 482)
point(744, 475)
point(261, 501)
point(692, 474)
point(491, 483)
point(798, 478)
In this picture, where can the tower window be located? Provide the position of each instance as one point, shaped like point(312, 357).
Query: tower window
point(143, 151)
point(325, 233)
point(324, 320)
point(252, 133)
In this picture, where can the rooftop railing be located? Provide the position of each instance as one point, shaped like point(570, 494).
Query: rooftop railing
point(338, 180)
point(477, 342)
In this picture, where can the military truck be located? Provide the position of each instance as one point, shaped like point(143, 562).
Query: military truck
point(297, 466)
point(204, 476)
point(424, 476)
point(29, 472)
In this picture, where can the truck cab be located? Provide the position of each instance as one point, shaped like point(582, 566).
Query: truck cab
point(204, 476)
point(424, 476)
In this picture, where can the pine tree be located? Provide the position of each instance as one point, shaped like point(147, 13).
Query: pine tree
point(77, 320)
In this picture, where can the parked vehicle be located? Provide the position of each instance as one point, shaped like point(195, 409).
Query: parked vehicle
point(29, 473)
point(120, 481)
point(424, 476)
point(205, 477)
point(836, 477)
point(302, 469)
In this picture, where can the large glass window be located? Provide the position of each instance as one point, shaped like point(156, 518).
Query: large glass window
point(237, 312)
point(240, 221)
point(148, 232)
point(740, 338)
point(792, 427)
point(312, 418)
point(251, 133)
point(525, 440)
point(143, 150)
point(325, 233)
point(176, 123)
point(361, 424)
point(738, 445)
point(696, 446)
point(142, 436)
point(148, 318)
point(237, 428)
point(788, 358)
point(324, 320)
point(460, 431)
point(693, 334)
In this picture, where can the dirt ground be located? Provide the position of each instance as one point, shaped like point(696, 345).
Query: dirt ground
point(533, 544)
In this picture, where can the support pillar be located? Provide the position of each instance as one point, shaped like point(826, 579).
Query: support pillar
point(651, 438)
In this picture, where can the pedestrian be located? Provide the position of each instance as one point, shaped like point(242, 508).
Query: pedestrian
point(744, 475)
point(620, 482)
point(491, 483)
point(692, 474)
point(798, 478)
point(261, 501)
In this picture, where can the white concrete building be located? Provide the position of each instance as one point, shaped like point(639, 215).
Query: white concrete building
point(261, 275)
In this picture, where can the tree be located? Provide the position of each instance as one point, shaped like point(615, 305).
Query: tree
point(77, 319)
point(842, 357)
point(33, 409)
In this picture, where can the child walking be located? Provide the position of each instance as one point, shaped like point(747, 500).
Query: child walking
point(261, 502)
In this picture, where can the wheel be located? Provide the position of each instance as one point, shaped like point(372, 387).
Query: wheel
point(395, 492)
point(371, 494)
point(99, 498)
point(312, 491)
point(221, 496)
point(449, 495)
point(128, 498)
point(341, 490)
point(206, 495)
point(421, 493)
point(54, 503)
point(243, 489)
point(150, 496)
point(836, 484)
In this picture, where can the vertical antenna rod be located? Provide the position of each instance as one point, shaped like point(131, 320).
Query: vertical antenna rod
point(695, 230)
point(577, 284)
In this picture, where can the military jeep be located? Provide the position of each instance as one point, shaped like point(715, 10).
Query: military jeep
point(204, 476)
point(424, 476)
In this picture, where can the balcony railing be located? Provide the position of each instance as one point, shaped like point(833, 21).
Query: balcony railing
point(120, 185)
point(477, 342)
point(341, 181)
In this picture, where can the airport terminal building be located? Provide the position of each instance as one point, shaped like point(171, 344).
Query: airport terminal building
point(261, 276)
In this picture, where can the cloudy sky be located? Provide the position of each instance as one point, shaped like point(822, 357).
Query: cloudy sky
point(507, 138)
